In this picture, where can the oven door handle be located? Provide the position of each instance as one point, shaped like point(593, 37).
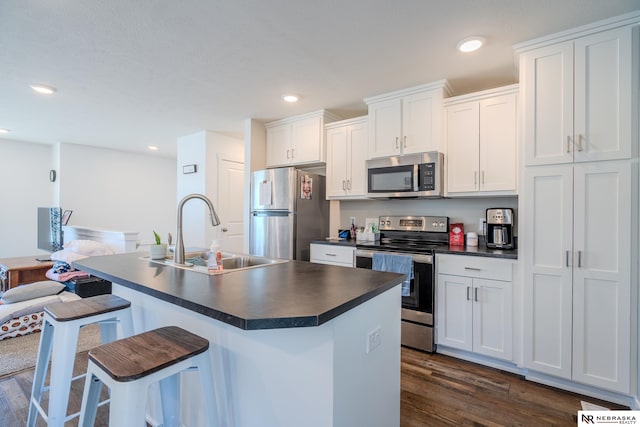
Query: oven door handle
point(420, 259)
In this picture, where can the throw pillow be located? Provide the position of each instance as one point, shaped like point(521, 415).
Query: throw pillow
point(32, 290)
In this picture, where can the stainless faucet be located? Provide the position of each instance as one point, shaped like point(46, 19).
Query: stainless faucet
point(178, 256)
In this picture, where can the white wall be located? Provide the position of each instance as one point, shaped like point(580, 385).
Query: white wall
point(117, 190)
point(465, 210)
point(24, 185)
point(202, 149)
point(106, 189)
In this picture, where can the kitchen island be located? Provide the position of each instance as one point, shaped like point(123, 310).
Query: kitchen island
point(292, 343)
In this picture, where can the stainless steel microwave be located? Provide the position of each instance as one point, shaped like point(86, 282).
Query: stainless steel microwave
point(412, 175)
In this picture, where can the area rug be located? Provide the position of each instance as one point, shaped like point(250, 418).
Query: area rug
point(18, 354)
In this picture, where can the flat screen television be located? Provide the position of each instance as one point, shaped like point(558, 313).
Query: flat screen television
point(50, 229)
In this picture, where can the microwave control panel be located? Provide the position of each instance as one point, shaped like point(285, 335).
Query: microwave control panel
point(427, 176)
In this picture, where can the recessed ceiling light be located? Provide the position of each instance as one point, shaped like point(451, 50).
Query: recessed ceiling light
point(470, 44)
point(44, 89)
point(290, 98)
point(152, 147)
point(4, 130)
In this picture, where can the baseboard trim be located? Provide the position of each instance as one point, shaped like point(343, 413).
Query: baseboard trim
point(608, 396)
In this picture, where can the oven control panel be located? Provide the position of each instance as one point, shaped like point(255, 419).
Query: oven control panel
point(414, 223)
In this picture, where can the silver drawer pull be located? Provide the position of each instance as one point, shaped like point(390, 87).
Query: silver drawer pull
point(473, 268)
point(331, 255)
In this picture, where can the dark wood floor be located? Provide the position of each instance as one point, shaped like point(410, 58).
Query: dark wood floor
point(436, 390)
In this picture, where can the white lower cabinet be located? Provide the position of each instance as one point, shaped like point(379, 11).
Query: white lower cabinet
point(343, 256)
point(474, 305)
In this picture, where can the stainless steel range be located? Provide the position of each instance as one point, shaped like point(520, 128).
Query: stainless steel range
point(417, 237)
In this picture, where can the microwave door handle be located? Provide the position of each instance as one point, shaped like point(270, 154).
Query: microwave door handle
point(416, 169)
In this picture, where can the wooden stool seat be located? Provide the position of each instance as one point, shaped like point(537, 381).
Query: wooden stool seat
point(130, 365)
point(72, 310)
point(140, 355)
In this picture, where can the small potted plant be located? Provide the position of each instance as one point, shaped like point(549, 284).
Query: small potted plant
point(159, 250)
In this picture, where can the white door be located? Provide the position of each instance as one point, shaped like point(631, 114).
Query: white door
point(463, 123)
point(418, 123)
point(385, 121)
point(306, 136)
point(336, 162)
point(547, 269)
point(492, 318)
point(498, 141)
point(279, 145)
point(602, 281)
point(454, 320)
point(603, 78)
point(230, 206)
point(548, 104)
point(356, 166)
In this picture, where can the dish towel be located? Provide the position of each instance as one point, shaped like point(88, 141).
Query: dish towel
point(395, 264)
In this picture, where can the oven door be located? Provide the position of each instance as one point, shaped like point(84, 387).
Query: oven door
point(420, 296)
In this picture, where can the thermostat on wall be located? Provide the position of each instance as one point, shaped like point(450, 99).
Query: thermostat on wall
point(189, 169)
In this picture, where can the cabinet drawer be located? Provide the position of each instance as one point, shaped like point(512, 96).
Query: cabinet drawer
point(475, 266)
point(332, 254)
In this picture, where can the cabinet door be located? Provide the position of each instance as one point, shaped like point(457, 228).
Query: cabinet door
point(279, 145)
point(601, 278)
point(418, 123)
point(337, 162)
point(454, 319)
point(463, 123)
point(492, 318)
point(498, 141)
point(306, 141)
point(385, 120)
point(547, 271)
point(356, 166)
point(603, 84)
point(547, 74)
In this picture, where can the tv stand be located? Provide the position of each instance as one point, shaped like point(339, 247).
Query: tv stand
point(21, 270)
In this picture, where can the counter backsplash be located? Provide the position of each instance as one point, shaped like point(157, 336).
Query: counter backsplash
point(468, 211)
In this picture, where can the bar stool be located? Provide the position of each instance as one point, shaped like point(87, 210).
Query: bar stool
point(60, 329)
point(128, 366)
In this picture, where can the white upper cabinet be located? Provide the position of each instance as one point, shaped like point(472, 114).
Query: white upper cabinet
point(481, 135)
point(577, 99)
point(298, 140)
point(407, 121)
point(346, 154)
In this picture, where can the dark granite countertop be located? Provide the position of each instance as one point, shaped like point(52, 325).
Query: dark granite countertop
point(480, 250)
point(288, 295)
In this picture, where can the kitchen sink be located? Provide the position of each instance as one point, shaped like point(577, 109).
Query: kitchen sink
point(230, 262)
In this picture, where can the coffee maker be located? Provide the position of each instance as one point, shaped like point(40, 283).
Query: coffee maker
point(499, 233)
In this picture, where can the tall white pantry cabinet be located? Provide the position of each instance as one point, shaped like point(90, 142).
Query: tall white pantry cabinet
point(579, 205)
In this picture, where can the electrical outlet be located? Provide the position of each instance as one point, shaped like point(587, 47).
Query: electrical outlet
point(374, 339)
point(352, 220)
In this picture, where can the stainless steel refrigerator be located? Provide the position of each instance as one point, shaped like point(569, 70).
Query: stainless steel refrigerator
point(288, 210)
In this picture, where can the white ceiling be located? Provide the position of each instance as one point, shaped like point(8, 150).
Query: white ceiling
point(134, 73)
